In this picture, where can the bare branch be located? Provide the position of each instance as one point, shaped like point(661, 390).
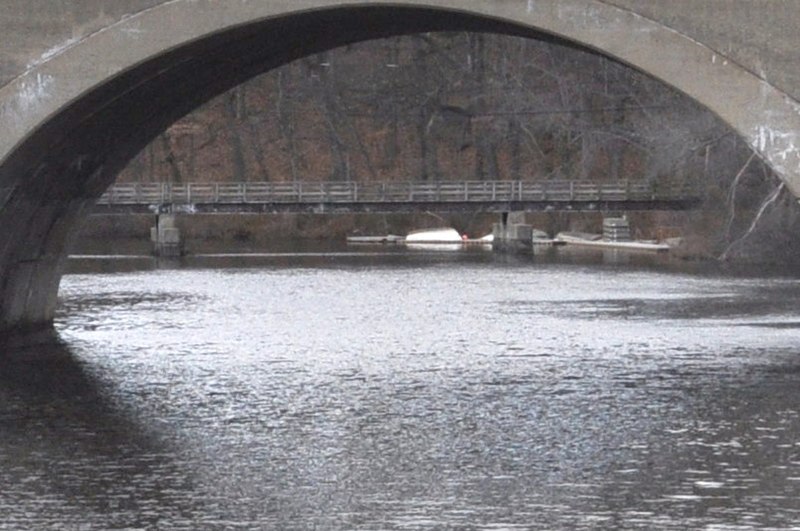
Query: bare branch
point(770, 200)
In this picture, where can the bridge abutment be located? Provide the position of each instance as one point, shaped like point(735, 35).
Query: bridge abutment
point(166, 236)
point(511, 235)
point(32, 259)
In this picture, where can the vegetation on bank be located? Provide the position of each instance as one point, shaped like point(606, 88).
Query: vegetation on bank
point(455, 106)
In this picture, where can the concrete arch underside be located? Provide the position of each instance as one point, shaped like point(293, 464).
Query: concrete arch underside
point(74, 120)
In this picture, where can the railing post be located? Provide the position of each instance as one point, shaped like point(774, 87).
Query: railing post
point(216, 192)
point(189, 194)
point(300, 191)
point(572, 190)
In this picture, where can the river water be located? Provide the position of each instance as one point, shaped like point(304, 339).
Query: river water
point(385, 390)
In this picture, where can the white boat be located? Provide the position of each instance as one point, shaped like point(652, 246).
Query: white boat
point(443, 235)
point(444, 239)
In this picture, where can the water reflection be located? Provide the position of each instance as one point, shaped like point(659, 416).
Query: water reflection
point(731, 456)
point(410, 392)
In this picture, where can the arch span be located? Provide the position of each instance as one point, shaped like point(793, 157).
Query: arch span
point(72, 122)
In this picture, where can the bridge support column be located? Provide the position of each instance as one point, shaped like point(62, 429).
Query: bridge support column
point(510, 235)
point(166, 237)
point(34, 239)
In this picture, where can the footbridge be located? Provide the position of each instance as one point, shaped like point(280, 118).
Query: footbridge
point(397, 197)
point(84, 86)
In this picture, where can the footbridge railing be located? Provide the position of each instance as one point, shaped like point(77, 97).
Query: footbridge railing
point(333, 193)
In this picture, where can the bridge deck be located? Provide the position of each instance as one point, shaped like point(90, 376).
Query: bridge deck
point(493, 196)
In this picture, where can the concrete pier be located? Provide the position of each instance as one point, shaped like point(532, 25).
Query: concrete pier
point(166, 237)
point(512, 236)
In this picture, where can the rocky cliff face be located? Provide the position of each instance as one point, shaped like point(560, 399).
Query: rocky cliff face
point(474, 106)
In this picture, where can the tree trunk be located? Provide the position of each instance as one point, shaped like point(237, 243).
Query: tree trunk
point(286, 121)
point(238, 162)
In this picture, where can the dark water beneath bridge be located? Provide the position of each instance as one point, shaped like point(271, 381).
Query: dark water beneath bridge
point(408, 391)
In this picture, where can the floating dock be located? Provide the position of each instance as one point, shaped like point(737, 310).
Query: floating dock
point(603, 244)
point(374, 240)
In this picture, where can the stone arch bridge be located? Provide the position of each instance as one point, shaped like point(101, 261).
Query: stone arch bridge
point(86, 85)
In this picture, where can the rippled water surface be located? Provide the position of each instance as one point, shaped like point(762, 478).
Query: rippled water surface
point(408, 392)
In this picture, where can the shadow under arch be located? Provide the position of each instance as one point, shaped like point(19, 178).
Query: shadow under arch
point(75, 120)
point(65, 437)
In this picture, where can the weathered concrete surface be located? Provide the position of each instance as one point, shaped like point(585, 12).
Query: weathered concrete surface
point(166, 236)
point(35, 30)
point(759, 35)
point(512, 237)
point(85, 85)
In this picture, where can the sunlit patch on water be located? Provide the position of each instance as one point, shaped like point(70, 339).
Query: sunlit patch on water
point(402, 393)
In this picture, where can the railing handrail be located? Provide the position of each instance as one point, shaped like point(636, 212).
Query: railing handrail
point(394, 191)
